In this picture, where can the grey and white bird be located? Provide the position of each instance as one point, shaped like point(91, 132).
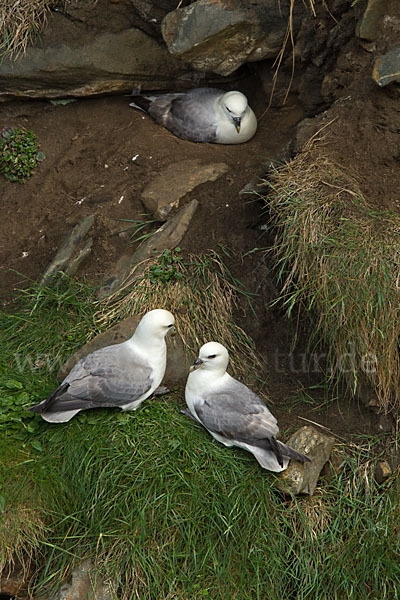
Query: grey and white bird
point(120, 376)
point(202, 115)
point(232, 413)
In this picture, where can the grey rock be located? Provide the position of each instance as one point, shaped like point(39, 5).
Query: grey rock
point(177, 362)
point(387, 68)
point(85, 585)
point(304, 132)
point(220, 36)
point(108, 63)
point(153, 11)
point(301, 478)
point(69, 256)
point(14, 579)
point(367, 28)
point(382, 471)
point(167, 237)
point(164, 192)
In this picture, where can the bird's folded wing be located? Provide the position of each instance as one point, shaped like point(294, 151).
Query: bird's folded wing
point(189, 117)
point(238, 415)
point(109, 376)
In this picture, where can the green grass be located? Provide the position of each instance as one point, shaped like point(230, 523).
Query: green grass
point(165, 511)
point(338, 261)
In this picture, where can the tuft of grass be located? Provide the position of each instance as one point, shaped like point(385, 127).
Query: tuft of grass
point(22, 528)
point(201, 292)
point(45, 326)
point(338, 260)
point(141, 229)
point(20, 22)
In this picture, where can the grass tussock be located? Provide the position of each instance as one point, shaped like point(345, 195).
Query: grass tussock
point(20, 22)
point(22, 528)
point(338, 259)
point(201, 293)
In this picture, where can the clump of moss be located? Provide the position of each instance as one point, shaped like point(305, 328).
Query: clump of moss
point(19, 155)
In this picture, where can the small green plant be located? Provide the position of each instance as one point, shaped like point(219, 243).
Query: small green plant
point(138, 227)
point(19, 154)
point(166, 268)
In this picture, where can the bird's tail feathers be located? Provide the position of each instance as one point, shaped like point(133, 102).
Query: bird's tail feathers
point(44, 405)
point(59, 417)
point(276, 448)
point(291, 453)
point(142, 103)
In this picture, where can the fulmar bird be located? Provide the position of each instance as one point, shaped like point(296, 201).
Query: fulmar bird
point(202, 115)
point(120, 376)
point(232, 413)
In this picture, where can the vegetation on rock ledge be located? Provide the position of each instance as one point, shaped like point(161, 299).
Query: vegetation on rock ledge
point(338, 259)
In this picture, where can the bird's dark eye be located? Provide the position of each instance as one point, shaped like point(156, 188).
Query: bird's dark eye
point(170, 326)
point(212, 356)
point(228, 109)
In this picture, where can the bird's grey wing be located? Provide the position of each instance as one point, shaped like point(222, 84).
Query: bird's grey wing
point(192, 116)
point(236, 413)
point(108, 377)
point(160, 106)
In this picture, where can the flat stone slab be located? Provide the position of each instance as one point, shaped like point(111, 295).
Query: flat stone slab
point(387, 68)
point(367, 28)
point(301, 478)
point(165, 191)
point(109, 63)
point(70, 255)
point(166, 238)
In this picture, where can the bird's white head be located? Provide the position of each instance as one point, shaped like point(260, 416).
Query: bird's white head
point(155, 324)
point(212, 357)
point(234, 104)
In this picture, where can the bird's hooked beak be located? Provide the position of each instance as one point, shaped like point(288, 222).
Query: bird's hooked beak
point(196, 365)
point(237, 122)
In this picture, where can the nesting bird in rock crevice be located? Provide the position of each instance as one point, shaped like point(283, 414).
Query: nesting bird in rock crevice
point(202, 114)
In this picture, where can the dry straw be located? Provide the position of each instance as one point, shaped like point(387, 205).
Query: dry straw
point(20, 22)
point(338, 259)
point(203, 299)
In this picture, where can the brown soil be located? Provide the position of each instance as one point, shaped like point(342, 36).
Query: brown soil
point(89, 147)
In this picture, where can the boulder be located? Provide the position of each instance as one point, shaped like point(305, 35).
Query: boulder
point(88, 55)
point(177, 362)
point(301, 478)
point(221, 35)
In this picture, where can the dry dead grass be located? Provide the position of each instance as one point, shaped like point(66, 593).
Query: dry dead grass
point(203, 301)
point(21, 533)
point(20, 22)
point(338, 259)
